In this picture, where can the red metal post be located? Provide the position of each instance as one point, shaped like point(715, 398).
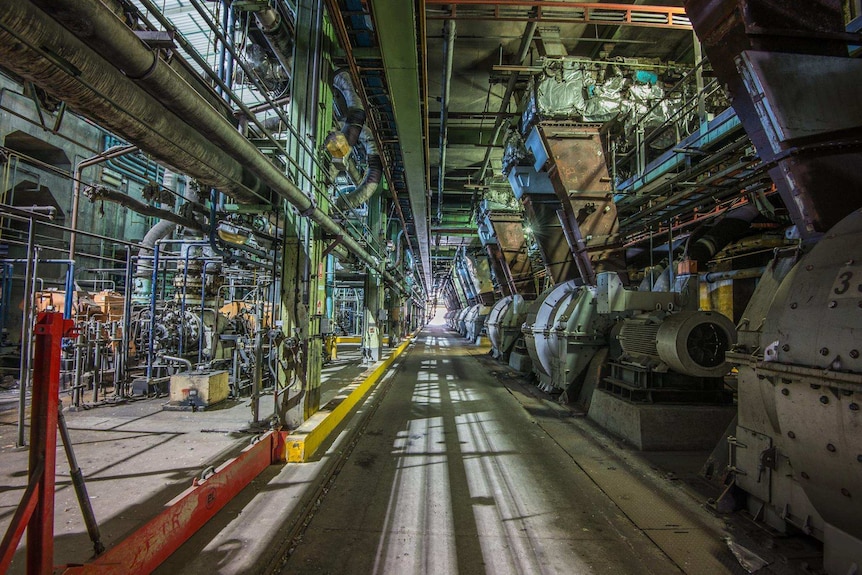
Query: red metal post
point(50, 329)
point(36, 510)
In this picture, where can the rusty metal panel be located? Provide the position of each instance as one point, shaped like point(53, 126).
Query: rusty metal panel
point(511, 254)
point(579, 173)
point(807, 171)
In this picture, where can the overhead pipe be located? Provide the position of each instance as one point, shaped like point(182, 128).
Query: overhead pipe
point(110, 36)
point(354, 118)
point(703, 244)
point(448, 51)
point(100, 193)
point(278, 36)
point(355, 132)
point(110, 153)
point(81, 77)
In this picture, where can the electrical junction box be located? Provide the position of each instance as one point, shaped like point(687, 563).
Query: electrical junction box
point(198, 389)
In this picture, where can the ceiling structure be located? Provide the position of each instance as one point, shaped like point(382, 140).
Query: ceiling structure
point(444, 81)
point(485, 52)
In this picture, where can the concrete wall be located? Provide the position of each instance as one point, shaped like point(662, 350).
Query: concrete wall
point(24, 184)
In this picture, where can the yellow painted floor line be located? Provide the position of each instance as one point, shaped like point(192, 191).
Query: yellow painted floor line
point(304, 441)
point(355, 339)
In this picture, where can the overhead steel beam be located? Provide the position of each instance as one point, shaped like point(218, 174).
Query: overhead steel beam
point(395, 24)
point(545, 11)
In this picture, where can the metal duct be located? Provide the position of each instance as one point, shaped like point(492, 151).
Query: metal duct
point(75, 74)
point(373, 174)
point(354, 119)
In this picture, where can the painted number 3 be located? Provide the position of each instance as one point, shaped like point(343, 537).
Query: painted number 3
point(845, 286)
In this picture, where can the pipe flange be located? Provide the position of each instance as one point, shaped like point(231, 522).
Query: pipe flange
point(149, 71)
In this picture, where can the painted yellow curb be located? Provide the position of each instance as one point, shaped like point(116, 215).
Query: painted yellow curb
point(355, 339)
point(302, 442)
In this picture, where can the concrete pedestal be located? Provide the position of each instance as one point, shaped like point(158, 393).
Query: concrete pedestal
point(661, 427)
point(198, 389)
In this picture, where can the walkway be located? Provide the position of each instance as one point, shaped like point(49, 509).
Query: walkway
point(461, 470)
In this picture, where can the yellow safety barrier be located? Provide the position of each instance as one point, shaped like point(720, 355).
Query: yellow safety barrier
point(308, 437)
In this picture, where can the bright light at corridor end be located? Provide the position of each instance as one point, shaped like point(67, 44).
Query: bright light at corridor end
point(438, 318)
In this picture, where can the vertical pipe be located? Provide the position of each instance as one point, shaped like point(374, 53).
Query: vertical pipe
point(154, 283)
point(698, 80)
point(24, 366)
point(70, 289)
point(127, 319)
point(97, 361)
point(110, 153)
point(448, 50)
point(201, 327)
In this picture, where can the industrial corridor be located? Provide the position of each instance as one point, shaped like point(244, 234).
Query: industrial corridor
point(462, 469)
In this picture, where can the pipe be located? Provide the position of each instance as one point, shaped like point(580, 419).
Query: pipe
point(26, 336)
point(373, 174)
point(354, 118)
point(240, 160)
point(733, 225)
point(398, 249)
point(100, 193)
point(84, 80)
point(448, 51)
point(110, 153)
point(712, 277)
point(277, 35)
point(181, 360)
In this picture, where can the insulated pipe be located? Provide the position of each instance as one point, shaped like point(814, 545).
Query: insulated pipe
point(448, 51)
point(731, 226)
point(354, 119)
point(277, 35)
point(21, 20)
point(373, 174)
point(77, 75)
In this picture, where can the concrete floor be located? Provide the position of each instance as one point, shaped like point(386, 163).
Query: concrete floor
point(136, 457)
point(453, 464)
point(463, 470)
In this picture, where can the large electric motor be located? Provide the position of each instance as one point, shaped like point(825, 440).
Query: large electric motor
point(690, 342)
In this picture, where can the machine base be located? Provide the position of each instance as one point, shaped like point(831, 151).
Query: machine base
point(519, 360)
point(658, 427)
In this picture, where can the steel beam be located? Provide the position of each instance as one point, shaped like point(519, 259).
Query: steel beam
point(395, 23)
point(545, 11)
